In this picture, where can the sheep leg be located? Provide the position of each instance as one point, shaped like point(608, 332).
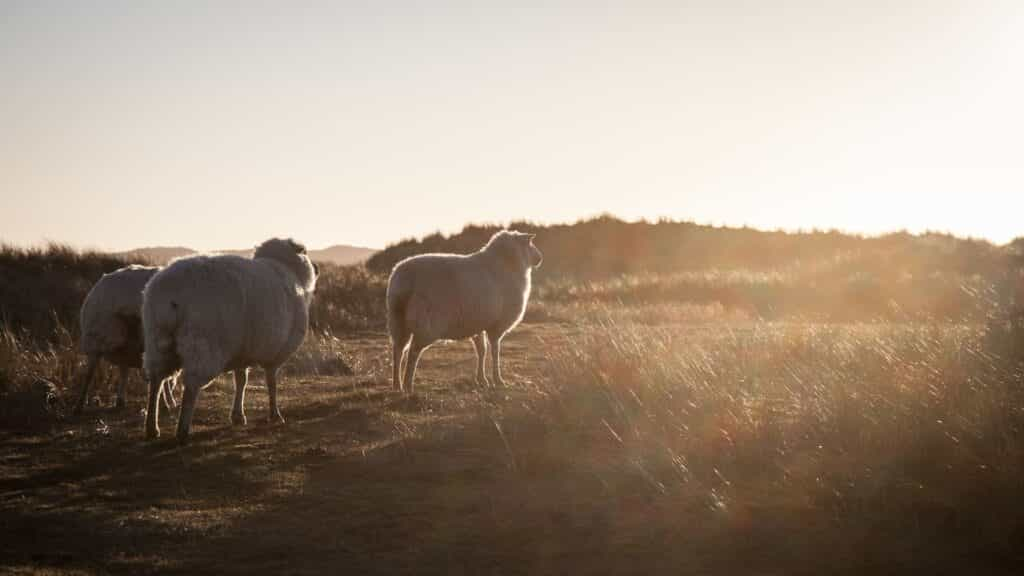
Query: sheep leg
point(90, 372)
point(168, 394)
point(495, 342)
point(275, 414)
point(396, 367)
point(194, 383)
point(238, 411)
point(399, 342)
point(480, 346)
point(122, 389)
point(153, 408)
point(415, 349)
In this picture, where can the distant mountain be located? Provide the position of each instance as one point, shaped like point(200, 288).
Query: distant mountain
point(342, 255)
point(155, 254)
point(338, 254)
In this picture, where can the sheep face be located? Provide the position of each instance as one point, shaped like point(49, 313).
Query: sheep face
point(529, 255)
point(535, 256)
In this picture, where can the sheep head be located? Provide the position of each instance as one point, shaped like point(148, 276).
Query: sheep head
point(293, 255)
point(516, 249)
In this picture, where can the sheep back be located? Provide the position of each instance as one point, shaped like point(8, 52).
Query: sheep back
point(446, 296)
point(225, 311)
point(110, 318)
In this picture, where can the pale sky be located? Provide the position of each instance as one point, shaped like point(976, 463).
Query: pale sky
point(218, 124)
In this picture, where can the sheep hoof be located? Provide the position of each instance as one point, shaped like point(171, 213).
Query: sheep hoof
point(275, 418)
point(238, 420)
point(483, 382)
point(152, 433)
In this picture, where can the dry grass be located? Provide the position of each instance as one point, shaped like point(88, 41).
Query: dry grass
point(655, 423)
point(25, 362)
point(348, 299)
point(890, 432)
point(42, 289)
point(33, 377)
point(619, 447)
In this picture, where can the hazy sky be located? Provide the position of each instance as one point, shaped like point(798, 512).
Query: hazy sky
point(217, 124)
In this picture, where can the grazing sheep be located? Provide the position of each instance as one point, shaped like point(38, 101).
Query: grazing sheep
point(111, 321)
point(209, 314)
point(481, 296)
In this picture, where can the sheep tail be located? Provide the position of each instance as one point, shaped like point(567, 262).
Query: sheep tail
point(161, 318)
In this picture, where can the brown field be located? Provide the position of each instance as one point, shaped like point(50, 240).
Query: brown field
point(682, 399)
point(619, 447)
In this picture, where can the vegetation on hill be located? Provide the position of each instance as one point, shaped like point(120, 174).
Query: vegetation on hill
point(606, 246)
point(812, 275)
point(822, 276)
point(42, 289)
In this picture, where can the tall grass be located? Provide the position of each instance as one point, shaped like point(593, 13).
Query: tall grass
point(23, 357)
point(348, 299)
point(42, 289)
point(39, 378)
point(815, 293)
point(874, 428)
point(35, 376)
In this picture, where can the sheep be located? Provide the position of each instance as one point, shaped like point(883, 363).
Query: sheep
point(111, 325)
point(480, 296)
point(207, 314)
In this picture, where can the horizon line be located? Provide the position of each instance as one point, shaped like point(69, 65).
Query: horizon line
point(47, 242)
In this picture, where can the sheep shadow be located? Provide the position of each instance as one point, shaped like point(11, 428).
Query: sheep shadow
point(98, 496)
point(441, 503)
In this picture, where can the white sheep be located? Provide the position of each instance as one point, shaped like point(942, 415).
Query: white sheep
point(209, 314)
point(481, 296)
point(111, 324)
